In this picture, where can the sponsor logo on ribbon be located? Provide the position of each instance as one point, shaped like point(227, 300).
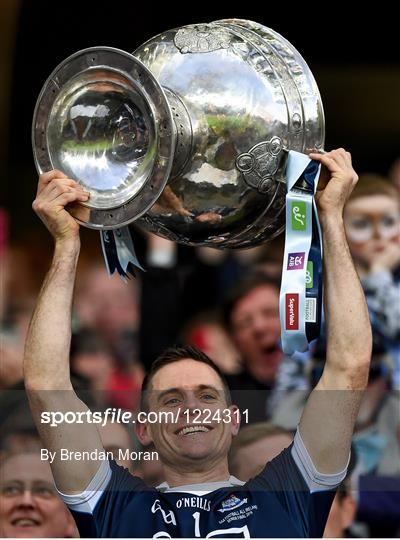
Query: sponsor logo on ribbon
point(296, 261)
point(299, 215)
point(292, 311)
point(310, 275)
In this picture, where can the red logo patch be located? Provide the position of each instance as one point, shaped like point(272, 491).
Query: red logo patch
point(292, 311)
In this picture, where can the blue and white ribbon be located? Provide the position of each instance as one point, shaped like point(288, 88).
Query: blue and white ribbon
point(119, 253)
point(300, 301)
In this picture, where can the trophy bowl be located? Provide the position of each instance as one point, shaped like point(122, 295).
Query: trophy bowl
point(187, 136)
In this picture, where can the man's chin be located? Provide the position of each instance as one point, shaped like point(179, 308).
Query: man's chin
point(27, 532)
point(194, 454)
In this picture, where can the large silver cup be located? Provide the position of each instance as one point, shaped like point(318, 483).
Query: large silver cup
point(187, 136)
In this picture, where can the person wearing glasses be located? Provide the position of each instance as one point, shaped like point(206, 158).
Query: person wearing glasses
point(30, 506)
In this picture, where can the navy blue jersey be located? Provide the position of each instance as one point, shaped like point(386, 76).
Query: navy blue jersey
point(279, 502)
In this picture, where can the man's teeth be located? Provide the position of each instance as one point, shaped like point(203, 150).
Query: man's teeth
point(193, 429)
point(25, 522)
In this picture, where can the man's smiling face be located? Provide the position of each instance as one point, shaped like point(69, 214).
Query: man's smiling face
point(193, 392)
point(29, 503)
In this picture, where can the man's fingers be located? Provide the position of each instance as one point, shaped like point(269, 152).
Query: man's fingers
point(327, 160)
point(339, 156)
point(46, 207)
point(52, 176)
point(57, 186)
point(59, 192)
point(336, 163)
point(46, 177)
point(68, 197)
point(335, 160)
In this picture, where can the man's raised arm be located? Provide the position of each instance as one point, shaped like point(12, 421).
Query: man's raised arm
point(46, 359)
point(327, 424)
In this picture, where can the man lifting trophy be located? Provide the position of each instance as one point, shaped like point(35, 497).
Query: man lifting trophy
point(211, 135)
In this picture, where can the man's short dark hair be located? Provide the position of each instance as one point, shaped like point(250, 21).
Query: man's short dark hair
point(252, 280)
point(175, 354)
point(250, 434)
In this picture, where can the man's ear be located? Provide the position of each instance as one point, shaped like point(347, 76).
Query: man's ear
point(235, 419)
point(143, 433)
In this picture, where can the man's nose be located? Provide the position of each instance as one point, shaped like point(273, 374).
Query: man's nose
point(377, 232)
point(27, 499)
point(260, 325)
point(192, 402)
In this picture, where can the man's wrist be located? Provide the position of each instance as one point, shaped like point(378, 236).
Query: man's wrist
point(67, 247)
point(331, 221)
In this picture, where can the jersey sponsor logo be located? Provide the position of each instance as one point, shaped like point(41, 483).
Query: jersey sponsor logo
point(194, 502)
point(292, 311)
point(299, 215)
point(232, 503)
point(168, 517)
point(296, 261)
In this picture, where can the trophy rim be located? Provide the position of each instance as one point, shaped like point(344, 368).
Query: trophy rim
point(146, 84)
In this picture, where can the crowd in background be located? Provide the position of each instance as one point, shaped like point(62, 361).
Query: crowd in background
point(226, 304)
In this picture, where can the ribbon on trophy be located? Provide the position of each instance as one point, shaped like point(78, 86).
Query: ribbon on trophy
point(119, 253)
point(300, 303)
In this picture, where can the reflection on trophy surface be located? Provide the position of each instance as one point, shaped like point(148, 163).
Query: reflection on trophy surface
point(187, 136)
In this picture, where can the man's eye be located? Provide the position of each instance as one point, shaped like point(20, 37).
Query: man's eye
point(172, 401)
point(208, 397)
point(360, 223)
point(44, 491)
point(10, 491)
point(243, 324)
point(388, 221)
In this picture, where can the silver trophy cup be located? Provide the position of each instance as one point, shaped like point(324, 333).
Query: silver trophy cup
point(187, 136)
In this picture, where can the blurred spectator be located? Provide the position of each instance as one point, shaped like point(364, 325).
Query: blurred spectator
point(181, 285)
point(115, 438)
point(109, 305)
point(270, 256)
point(251, 315)
point(344, 507)
point(151, 470)
point(12, 340)
point(377, 432)
point(342, 514)
point(29, 503)
point(92, 359)
point(19, 441)
point(254, 446)
point(207, 332)
point(372, 221)
point(112, 385)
